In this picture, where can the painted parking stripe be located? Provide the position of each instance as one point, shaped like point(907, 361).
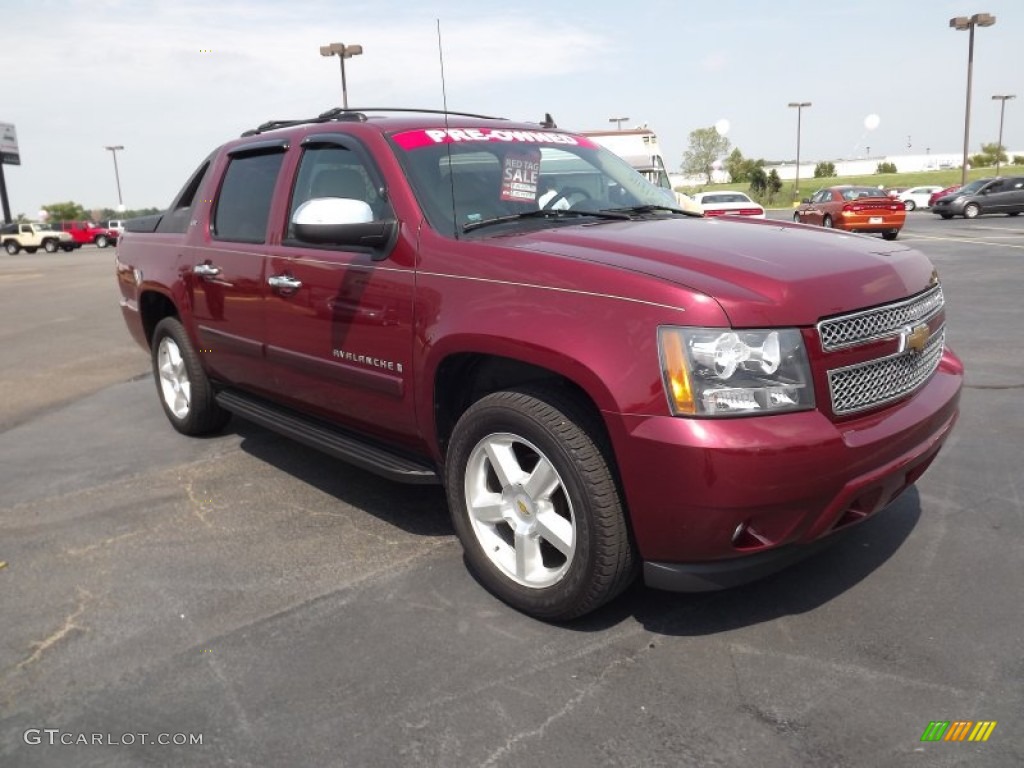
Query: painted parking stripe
point(912, 236)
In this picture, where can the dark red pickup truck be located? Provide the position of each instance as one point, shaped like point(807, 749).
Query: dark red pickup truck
point(603, 383)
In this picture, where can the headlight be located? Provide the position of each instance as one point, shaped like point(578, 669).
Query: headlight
point(722, 372)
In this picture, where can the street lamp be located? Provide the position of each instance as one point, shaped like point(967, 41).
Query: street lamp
point(343, 52)
point(960, 23)
point(799, 114)
point(1002, 111)
point(117, 176)
point(618, 121)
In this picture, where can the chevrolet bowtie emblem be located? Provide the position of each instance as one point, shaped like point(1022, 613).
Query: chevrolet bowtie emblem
point(523, 508)
point(915, 337)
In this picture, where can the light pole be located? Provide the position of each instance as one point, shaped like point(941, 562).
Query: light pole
point(799, 114)
point(343, 52)
point(618, 121)
point(117, 176)
point(1002, 111)
point(960, 23)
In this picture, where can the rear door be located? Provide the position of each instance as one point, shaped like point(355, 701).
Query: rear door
point(228, 267)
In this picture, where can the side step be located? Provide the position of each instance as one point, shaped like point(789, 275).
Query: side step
point(331, 440)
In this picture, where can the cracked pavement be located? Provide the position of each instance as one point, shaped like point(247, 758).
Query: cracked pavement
point(297, 611)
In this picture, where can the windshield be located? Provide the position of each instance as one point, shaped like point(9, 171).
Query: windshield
point(466, 176)
point(974, 186)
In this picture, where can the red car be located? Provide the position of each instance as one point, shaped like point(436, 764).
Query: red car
point(86, 232)
point(604, 384)
point(942, 193)
point(853, 209)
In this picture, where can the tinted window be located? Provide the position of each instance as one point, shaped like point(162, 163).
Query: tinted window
point(179, 215)
point(336, 171)
point(244, 202)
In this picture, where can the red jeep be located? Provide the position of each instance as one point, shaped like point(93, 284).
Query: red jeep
point(86, 232)
point(603, 383)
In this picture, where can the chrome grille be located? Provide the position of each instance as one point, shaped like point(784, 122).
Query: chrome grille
point(881, 322)
point(875, 382)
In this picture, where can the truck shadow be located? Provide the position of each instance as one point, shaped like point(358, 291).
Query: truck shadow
point(798, 589)
point(417, 509)
point(423, 510)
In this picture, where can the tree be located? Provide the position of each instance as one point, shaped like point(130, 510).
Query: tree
point(989, 154)
point(706, 146)
point(886, 168)
point(774, 184)
point(68, 211)
point(759, 181)
point(824, 170)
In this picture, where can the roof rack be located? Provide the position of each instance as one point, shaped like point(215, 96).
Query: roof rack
point(355, 114)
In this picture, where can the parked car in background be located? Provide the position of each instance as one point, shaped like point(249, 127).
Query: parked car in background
point(115, 224)
point(86, 232)
point(19, 236)
point(999, 195)
point(942, 193)
point(728, 203)
point(918, 197)
point(853, 209)
point(895, 192)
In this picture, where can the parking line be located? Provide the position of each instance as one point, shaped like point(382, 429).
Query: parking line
point(914, 236)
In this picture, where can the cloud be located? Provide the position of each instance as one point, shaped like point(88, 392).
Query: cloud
point(715, 62)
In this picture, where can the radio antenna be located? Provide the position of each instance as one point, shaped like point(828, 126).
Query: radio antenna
point(448, 144)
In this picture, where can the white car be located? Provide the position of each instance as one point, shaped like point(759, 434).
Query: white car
point(917, 197)
point(728, 203)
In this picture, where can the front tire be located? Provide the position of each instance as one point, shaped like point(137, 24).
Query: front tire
point(185, 391)
point(909, 205)
point(971, 211)
point(536, 505)
point(102, 241)
point(12, 247)
point(50, 246)
point(827, 222)
point(946, 215)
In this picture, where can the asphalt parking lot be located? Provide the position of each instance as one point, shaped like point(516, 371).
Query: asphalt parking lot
point(294, 611)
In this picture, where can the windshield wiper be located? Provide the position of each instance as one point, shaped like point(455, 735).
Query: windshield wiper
point(547, 213)
point(651, 208)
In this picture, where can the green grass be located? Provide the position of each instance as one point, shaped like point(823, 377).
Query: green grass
point(944, 178)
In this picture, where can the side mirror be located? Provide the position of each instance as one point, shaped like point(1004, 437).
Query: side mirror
point(341, 221)
point(806, 201)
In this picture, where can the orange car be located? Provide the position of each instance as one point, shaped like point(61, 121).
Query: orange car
point(854, 209)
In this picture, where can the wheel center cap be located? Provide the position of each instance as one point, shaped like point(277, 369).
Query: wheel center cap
point(523, 511)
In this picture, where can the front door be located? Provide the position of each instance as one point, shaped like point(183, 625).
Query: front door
point(339, 330)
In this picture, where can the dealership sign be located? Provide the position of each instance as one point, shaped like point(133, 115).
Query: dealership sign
point(9, 145)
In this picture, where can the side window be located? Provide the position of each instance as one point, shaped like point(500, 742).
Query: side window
point(336, 171)
point(243, 204)
point(178, 216)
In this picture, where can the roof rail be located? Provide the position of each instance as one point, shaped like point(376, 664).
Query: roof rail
point(357, 114)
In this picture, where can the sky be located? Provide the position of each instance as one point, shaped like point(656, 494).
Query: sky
point(172, 79)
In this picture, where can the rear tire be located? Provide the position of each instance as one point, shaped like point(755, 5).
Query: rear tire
point(796, 218)
point(890, 235)
point(827, 222)
point(910, 205)
point(946, 215)
point(535, 503)
point(1013, 213)
point(971, 211)
point(50, 246)
point(102, 241)
point(185, 391)
point(12, 247)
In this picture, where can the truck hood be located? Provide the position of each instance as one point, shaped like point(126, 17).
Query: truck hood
point(762, 273)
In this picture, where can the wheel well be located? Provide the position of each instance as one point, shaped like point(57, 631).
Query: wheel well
point(154, 307)
point(463, 379)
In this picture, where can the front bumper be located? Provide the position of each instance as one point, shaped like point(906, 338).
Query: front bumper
point(718, 502)
point(955, 208)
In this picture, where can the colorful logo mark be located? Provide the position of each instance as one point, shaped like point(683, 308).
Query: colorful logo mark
point(959, 730)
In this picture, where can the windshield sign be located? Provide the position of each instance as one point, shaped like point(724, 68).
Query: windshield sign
point(464, 177)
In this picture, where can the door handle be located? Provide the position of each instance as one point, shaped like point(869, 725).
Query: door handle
point(285, 284)
point(205, 270)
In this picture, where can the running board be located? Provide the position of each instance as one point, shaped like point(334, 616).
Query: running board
point(331, 440)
